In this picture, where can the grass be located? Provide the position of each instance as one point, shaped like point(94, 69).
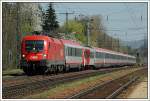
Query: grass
point(8, 72)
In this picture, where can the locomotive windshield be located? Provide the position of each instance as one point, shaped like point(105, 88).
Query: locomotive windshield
point(34, 45)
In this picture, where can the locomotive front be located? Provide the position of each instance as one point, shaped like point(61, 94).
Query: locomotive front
point(34, 54)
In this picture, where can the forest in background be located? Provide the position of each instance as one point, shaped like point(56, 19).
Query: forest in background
point(20, 19)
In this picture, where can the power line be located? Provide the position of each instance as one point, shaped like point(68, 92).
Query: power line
point(130, 14)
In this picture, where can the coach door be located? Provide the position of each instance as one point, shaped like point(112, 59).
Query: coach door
point(87, 56)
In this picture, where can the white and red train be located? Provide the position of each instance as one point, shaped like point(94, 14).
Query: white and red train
point(43, 54)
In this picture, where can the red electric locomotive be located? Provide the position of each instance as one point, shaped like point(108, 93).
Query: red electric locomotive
point(39, 52)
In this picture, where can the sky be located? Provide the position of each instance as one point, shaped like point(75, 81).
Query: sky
point(126, 21)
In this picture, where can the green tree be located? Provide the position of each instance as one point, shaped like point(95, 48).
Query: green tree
point(77, 29)
point(50, 24)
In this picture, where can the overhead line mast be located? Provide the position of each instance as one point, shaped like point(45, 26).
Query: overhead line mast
point(67, 14)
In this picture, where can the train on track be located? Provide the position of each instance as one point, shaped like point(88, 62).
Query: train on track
point(43, 54)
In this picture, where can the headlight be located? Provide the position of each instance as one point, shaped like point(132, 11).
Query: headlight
point(44, 56)
point(23, 55)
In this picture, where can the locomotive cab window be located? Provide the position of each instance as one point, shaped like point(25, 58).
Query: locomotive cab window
point(34, 45)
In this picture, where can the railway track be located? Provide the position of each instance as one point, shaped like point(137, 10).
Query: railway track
point(108, 89)
point(10, 82)
point(38, 85)
point(117, 92)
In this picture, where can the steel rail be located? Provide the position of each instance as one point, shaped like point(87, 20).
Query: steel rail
point(84, 92)
point(116, 92)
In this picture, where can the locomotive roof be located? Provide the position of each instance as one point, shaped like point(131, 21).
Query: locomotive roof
point(35, 37)
point(42, 37)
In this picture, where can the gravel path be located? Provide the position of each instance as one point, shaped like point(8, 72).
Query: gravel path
point(138, 90)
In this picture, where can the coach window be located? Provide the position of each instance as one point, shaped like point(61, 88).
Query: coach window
point(80, 52)
point(75, 51)
point(109, 56)
point(106, 55)
point(117, 56)
point(113, 56)
point(72, 51)
point(69, 51)
point(96, 54)
point(103, 55)
point(99, 55)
